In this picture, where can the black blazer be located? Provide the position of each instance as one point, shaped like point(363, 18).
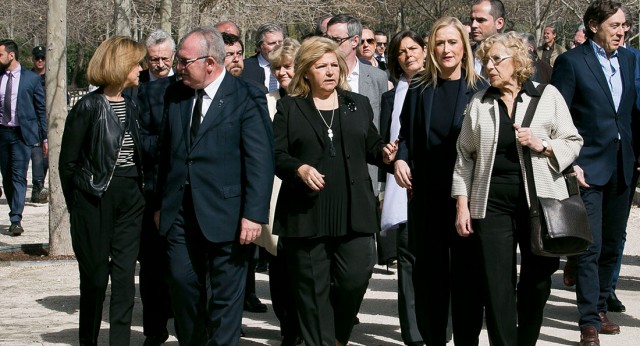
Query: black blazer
point(300, 140)
point(150, 100)
point(579, 78)
point(253, 71)
point(417, 109)
point(229, 163)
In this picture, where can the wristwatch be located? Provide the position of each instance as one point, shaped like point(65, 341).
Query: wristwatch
point(545, 145)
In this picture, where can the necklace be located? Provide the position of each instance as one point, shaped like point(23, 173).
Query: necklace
point(332, 149)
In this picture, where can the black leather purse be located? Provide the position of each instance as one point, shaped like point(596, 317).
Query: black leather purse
point(558, 227)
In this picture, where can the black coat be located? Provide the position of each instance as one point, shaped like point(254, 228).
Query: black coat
point(299, 140)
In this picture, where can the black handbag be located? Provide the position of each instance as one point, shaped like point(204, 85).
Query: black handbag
point(558, 227)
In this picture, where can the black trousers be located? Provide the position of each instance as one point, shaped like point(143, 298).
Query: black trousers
point(105, 234)
point(282, 297)
point(406, 293)
point(207, 282)
point(154, 288)
point(330, 276)
point(514, 311)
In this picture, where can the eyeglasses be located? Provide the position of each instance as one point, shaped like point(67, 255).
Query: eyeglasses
point(156, 60)
point(496, 59)
point(380, 44)
point(186, 62)
point(338, 40)
point(369, 40)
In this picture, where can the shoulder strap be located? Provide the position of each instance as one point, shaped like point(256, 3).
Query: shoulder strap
point(526, 152)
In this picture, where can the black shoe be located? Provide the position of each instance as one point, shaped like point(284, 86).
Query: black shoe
point(253, 304)
point(156, 340)
point(291, 341)
point(16, 230)
point(614, 304)
point(262, 267)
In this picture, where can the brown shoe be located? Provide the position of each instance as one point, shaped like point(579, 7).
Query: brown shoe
point(589, 336)
point(606, 326)
point(569, 275)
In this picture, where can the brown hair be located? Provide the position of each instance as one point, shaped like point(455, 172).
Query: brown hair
point(113, 60)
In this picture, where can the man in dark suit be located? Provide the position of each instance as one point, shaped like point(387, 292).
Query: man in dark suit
point(39, 163)
point(256, 68)
point(154, 291)
point(214, 187)
point(596, 80)
point(23, 124)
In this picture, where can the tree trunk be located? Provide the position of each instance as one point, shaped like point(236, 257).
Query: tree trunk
point(122, 17)
point(186, 9)
point(165, 15)
point(59, 236)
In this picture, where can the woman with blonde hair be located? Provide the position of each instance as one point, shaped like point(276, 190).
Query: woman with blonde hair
point(281, 61)
point(326, 212)
point(101, 176)
point(429, 126)
point(490, 184)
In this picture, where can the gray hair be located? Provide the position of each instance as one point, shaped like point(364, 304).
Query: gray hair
point(354, 27)
point(159, 37)
point(528, 39)
point(553, 28)
point(211, 43)
point(263, 30)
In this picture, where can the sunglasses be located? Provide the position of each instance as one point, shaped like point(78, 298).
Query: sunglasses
point(369, 40)
point(380, 44)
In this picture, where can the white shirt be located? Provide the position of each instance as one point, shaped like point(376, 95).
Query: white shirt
point(209, 93)
point(353, 78)
point(267, 70)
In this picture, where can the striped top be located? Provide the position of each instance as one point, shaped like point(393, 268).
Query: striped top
point(479, 136)
point(127, 151)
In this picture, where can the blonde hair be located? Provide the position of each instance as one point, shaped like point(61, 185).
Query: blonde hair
point(286, 51)
point(523, 65)
point(430, 75)
point(113, 60)
point(310, 51)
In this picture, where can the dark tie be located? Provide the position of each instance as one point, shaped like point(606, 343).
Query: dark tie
point(273, 83)
point(197, 115)
point(6, 115)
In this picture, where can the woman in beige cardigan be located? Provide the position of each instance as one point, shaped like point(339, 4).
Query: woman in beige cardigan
point(489, 183)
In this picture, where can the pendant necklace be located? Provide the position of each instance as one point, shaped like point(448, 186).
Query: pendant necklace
point(332, 149)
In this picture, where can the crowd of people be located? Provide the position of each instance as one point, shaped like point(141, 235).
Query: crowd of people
point(327, 156)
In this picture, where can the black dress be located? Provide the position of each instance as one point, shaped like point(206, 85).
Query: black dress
point(333, 200)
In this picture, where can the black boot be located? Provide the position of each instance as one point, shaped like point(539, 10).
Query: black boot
point(39, 193)
point(614, 304)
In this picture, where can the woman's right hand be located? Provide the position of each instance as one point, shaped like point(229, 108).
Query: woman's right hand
point(311, 177)
point(402, 173)
point(463, 217)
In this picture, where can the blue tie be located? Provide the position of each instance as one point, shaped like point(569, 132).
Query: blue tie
point(273, 82)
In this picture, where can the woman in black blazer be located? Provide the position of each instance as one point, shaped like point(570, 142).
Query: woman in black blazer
point(429, 126)
point(326, 211)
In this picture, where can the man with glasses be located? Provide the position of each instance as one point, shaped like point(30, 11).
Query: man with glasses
point(363, 79)
point(381, 47)
point(154, 291)
point(215, 175)
point(366, 49)
point(39, 162)
point(257, 68)
point(596, 80)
